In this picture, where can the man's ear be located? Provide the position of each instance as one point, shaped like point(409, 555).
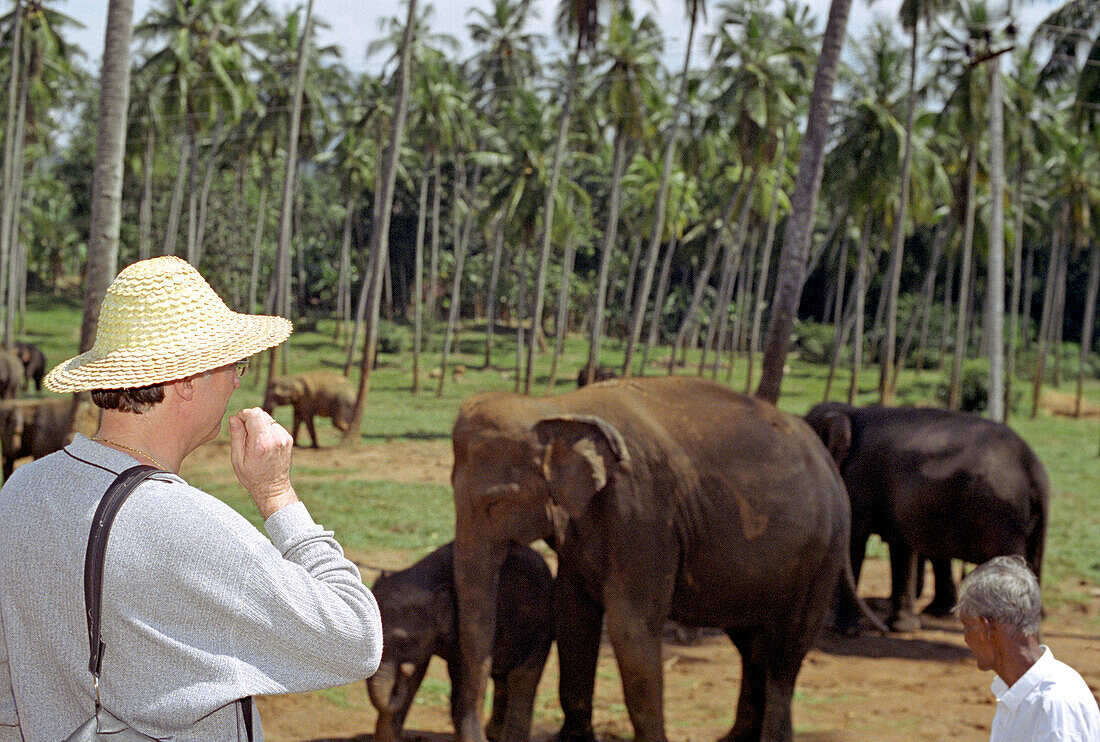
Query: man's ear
point(184, 388)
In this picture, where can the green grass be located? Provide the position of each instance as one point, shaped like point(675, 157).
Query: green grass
point(367, 514)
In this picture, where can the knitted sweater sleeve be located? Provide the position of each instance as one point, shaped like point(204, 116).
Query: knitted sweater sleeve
point(217, 611)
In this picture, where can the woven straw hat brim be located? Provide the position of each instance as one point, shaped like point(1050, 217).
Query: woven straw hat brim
point(161, 321)
point(232, 338)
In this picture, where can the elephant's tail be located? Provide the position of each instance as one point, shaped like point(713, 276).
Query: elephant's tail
point(848, 585)
point(1037, 524)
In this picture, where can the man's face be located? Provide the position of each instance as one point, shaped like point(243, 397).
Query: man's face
point(216, 386)
point(978, 634)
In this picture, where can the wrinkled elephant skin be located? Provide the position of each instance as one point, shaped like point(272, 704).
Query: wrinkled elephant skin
point(664, 498)
point(938, 484)
point(419, 620)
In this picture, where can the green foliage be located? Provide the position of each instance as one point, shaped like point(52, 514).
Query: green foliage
point(813, 341)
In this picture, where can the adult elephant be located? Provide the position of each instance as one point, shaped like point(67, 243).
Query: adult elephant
point(664, 498)
point(934, 483)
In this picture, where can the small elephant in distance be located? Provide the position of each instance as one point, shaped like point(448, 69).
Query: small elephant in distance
point(12, 375)
point(420, 619)
point(33, 360)
point(323, 393)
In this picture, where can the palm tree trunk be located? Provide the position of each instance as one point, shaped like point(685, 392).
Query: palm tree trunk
point(610, 240)
point(433, 260)
point(659, 302)
point(714, 243)
point(548, 215)
point(418, 281)
point(631, 275)
point(380, 230)
point(257, 243)
point(204, 198)
point(766, 259)
point(562, 323)
point(860, 296)
point(286, 210)
point(1059, 317)
point(886, 385)
point(145, 211)
point(1087, 327)
point(842, 327)
point(343, 276)
point(1014, 300)
point(995, 290)
point(642, 299)
point(456, 283)
point(114, 94)
point(14, 238)
point(953, 398)
point(175, 204)
point(797, 234)
point(491, 294)
point(922, 313)
point(7, 209)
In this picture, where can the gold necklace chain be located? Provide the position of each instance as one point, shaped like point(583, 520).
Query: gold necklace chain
point(132, 449)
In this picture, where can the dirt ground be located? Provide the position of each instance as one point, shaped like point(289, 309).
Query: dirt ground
point(918, 686)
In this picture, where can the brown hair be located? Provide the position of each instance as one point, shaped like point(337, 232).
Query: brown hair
point(137, 399)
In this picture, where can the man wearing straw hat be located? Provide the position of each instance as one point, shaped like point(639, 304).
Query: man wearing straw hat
point(199, 609)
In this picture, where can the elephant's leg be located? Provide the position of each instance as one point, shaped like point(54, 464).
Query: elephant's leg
point(636, 639)
point(945, 597)
point(297, 425)
point(903, 566)
point(495, 726)
point(847, 613)
point(312, 430)
point(578, 625)
point(518, 693)
point(750, 702)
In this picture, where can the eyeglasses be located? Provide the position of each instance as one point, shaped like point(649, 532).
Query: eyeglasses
point(241, 366)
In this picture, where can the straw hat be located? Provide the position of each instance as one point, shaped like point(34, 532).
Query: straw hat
point(160, 321)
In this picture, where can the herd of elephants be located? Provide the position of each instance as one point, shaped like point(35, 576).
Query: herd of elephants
point(672, 498)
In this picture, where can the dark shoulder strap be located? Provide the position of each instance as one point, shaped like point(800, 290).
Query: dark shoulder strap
point(105, 514)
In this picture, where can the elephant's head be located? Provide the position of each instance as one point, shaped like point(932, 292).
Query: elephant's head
point(342, 412)
point(522, 469)
point(282, 391)
point(832, 422)
point(415, 622)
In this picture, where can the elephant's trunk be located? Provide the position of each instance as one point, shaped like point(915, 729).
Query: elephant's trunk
point(477, 576)
point(380, 686)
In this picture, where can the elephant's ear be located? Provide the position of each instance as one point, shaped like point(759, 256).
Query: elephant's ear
point(839, 438)
point(580, 450)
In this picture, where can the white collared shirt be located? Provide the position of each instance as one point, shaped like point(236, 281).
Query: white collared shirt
point(1049, 702)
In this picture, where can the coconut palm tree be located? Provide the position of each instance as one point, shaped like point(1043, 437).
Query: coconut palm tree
point(912, 14)
point(379, 239)
point(695, 9)
point(107, 178)
point(625, 88)
point(796, 234)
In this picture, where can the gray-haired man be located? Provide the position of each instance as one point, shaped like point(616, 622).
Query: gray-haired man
point(1038, 697)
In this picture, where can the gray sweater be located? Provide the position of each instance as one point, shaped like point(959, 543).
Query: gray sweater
point(199, 608)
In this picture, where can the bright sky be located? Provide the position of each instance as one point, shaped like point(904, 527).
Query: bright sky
point(353, 23)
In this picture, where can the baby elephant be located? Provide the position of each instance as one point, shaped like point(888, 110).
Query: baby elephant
point(323, 393)
point(33, 360)
point(420, 619)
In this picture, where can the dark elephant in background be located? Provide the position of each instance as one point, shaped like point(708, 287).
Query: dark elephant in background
point(944, 485)
point(664, 498)
point(312, 393)
point(420, 619)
